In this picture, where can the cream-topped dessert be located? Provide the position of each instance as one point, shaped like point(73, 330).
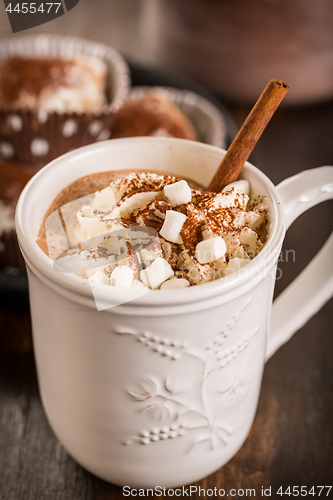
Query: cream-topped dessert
point(53, 84)
point(149, 230)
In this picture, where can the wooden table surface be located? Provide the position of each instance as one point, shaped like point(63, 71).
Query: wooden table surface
point(291, 441)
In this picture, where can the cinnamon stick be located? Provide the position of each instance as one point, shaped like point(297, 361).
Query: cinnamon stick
point(247, 137)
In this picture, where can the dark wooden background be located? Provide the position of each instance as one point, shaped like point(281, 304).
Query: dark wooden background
point(291, 441)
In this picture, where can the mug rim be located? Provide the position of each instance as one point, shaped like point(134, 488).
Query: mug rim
point(77, 287)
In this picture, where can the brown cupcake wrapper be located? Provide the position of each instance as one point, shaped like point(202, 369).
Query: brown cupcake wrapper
point(37, 137)
point(206, 118)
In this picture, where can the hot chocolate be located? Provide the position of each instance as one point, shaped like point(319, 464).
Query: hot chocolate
point(149, 230)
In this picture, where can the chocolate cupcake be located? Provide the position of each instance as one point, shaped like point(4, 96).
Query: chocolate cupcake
point(152, 114)
point(13, 178)
point(169, 112)
point(56, 94)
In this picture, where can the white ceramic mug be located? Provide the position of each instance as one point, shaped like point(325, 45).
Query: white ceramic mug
point(163, 390)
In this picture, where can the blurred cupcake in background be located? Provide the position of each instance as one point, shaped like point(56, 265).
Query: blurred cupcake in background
point(13, 178)
point(57, 93)
point(170, 112)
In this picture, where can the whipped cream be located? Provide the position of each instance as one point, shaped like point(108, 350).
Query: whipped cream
point(147, 230)
point(62, 85)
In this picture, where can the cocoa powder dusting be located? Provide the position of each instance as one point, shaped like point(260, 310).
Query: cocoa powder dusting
point(208, 215)
point(31, 75)
point(89, 184)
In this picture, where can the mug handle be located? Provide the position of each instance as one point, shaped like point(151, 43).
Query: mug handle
point(314, 286)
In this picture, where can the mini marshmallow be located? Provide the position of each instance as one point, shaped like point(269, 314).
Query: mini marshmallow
point(209, 250)
point(235, 265)
point(122, 276)
point(172, 226)
point(158, 272)
point(243, 186)
point(100, 278)
point(178, 193)
point(175, 283)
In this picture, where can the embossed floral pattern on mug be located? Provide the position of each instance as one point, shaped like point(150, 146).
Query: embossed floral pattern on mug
point(166, 399)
